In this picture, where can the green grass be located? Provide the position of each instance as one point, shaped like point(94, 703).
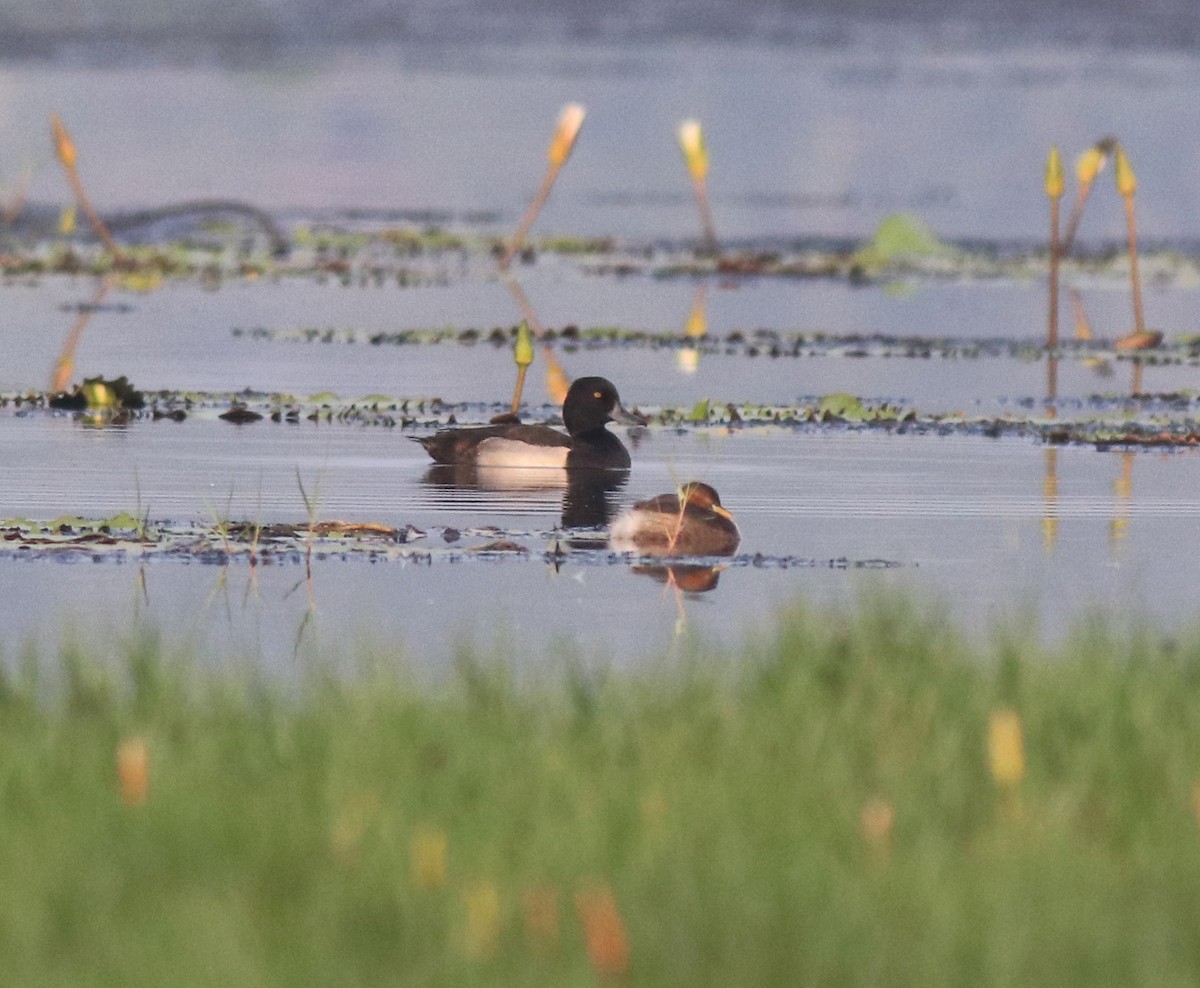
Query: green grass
point(720, 798)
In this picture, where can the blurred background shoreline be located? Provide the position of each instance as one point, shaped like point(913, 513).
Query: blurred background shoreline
point(242, 33)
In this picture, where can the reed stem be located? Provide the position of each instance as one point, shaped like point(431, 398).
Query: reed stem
point(531, 213)
point(1135, 281)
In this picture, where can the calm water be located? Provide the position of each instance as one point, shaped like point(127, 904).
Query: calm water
point(809, 140)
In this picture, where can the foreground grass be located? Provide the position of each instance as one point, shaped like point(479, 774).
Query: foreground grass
point(821, 809)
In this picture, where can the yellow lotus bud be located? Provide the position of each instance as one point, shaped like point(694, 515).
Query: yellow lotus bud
point(1090, 164)
point(66, 221)
point(523, 348)
point(691, 140)
point(98, 394)
point(569, 122)
point(1126, 180)
point(64, 147)
point(1006, 747)
point(1054, 174)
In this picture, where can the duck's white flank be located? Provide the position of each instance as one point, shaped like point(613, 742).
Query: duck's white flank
point(498, 452)
point(632, 523)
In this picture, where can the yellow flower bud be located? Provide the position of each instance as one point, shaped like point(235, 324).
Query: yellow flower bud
point(523, 348)
point(1126, 180)
point(569, 122)
point(1006, 747)
point(1089, 165)
point(98, 394)
point(1055, 182)
point(691, 140)
point(64, 147)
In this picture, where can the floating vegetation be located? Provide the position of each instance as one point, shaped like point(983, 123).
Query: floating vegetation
point(218, 241)
point(901, 242)
point(754, 342)
point(126, 539)
point(97, 394)
point(1160, 420)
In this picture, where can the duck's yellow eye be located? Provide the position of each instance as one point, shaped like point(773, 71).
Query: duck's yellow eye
point(597, 394)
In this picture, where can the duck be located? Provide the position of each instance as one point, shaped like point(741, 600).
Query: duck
point(690, 522)
point(590, 404)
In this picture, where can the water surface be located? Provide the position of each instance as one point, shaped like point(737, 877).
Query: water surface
point(811, 141)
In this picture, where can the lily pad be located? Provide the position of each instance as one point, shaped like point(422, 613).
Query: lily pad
point(900, 237)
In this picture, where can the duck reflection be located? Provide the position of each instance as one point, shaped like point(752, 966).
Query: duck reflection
point(589, 497)
point(686, 577)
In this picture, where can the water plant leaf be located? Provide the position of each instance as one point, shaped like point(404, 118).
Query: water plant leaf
point(899, 237)
point(842, 405)
point(99, 394)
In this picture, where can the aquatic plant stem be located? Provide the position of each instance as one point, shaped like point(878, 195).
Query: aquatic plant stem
point(1052, 325)
point(527, 311)
point(531, 213)
point(1051, 386)
point(557, 380)
point(1090, 164)
point(67, 155)
point(1054, 190)
point(522, 357)
point(1050, 500)
point(1127, 187)
point(570, 120)
point(517, 391)
point(695, 154)
point(706, 220)
point(1136, 390)
point(1083, 331)
point(64, 367)
point(1068, 238)
point(1135, 282)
